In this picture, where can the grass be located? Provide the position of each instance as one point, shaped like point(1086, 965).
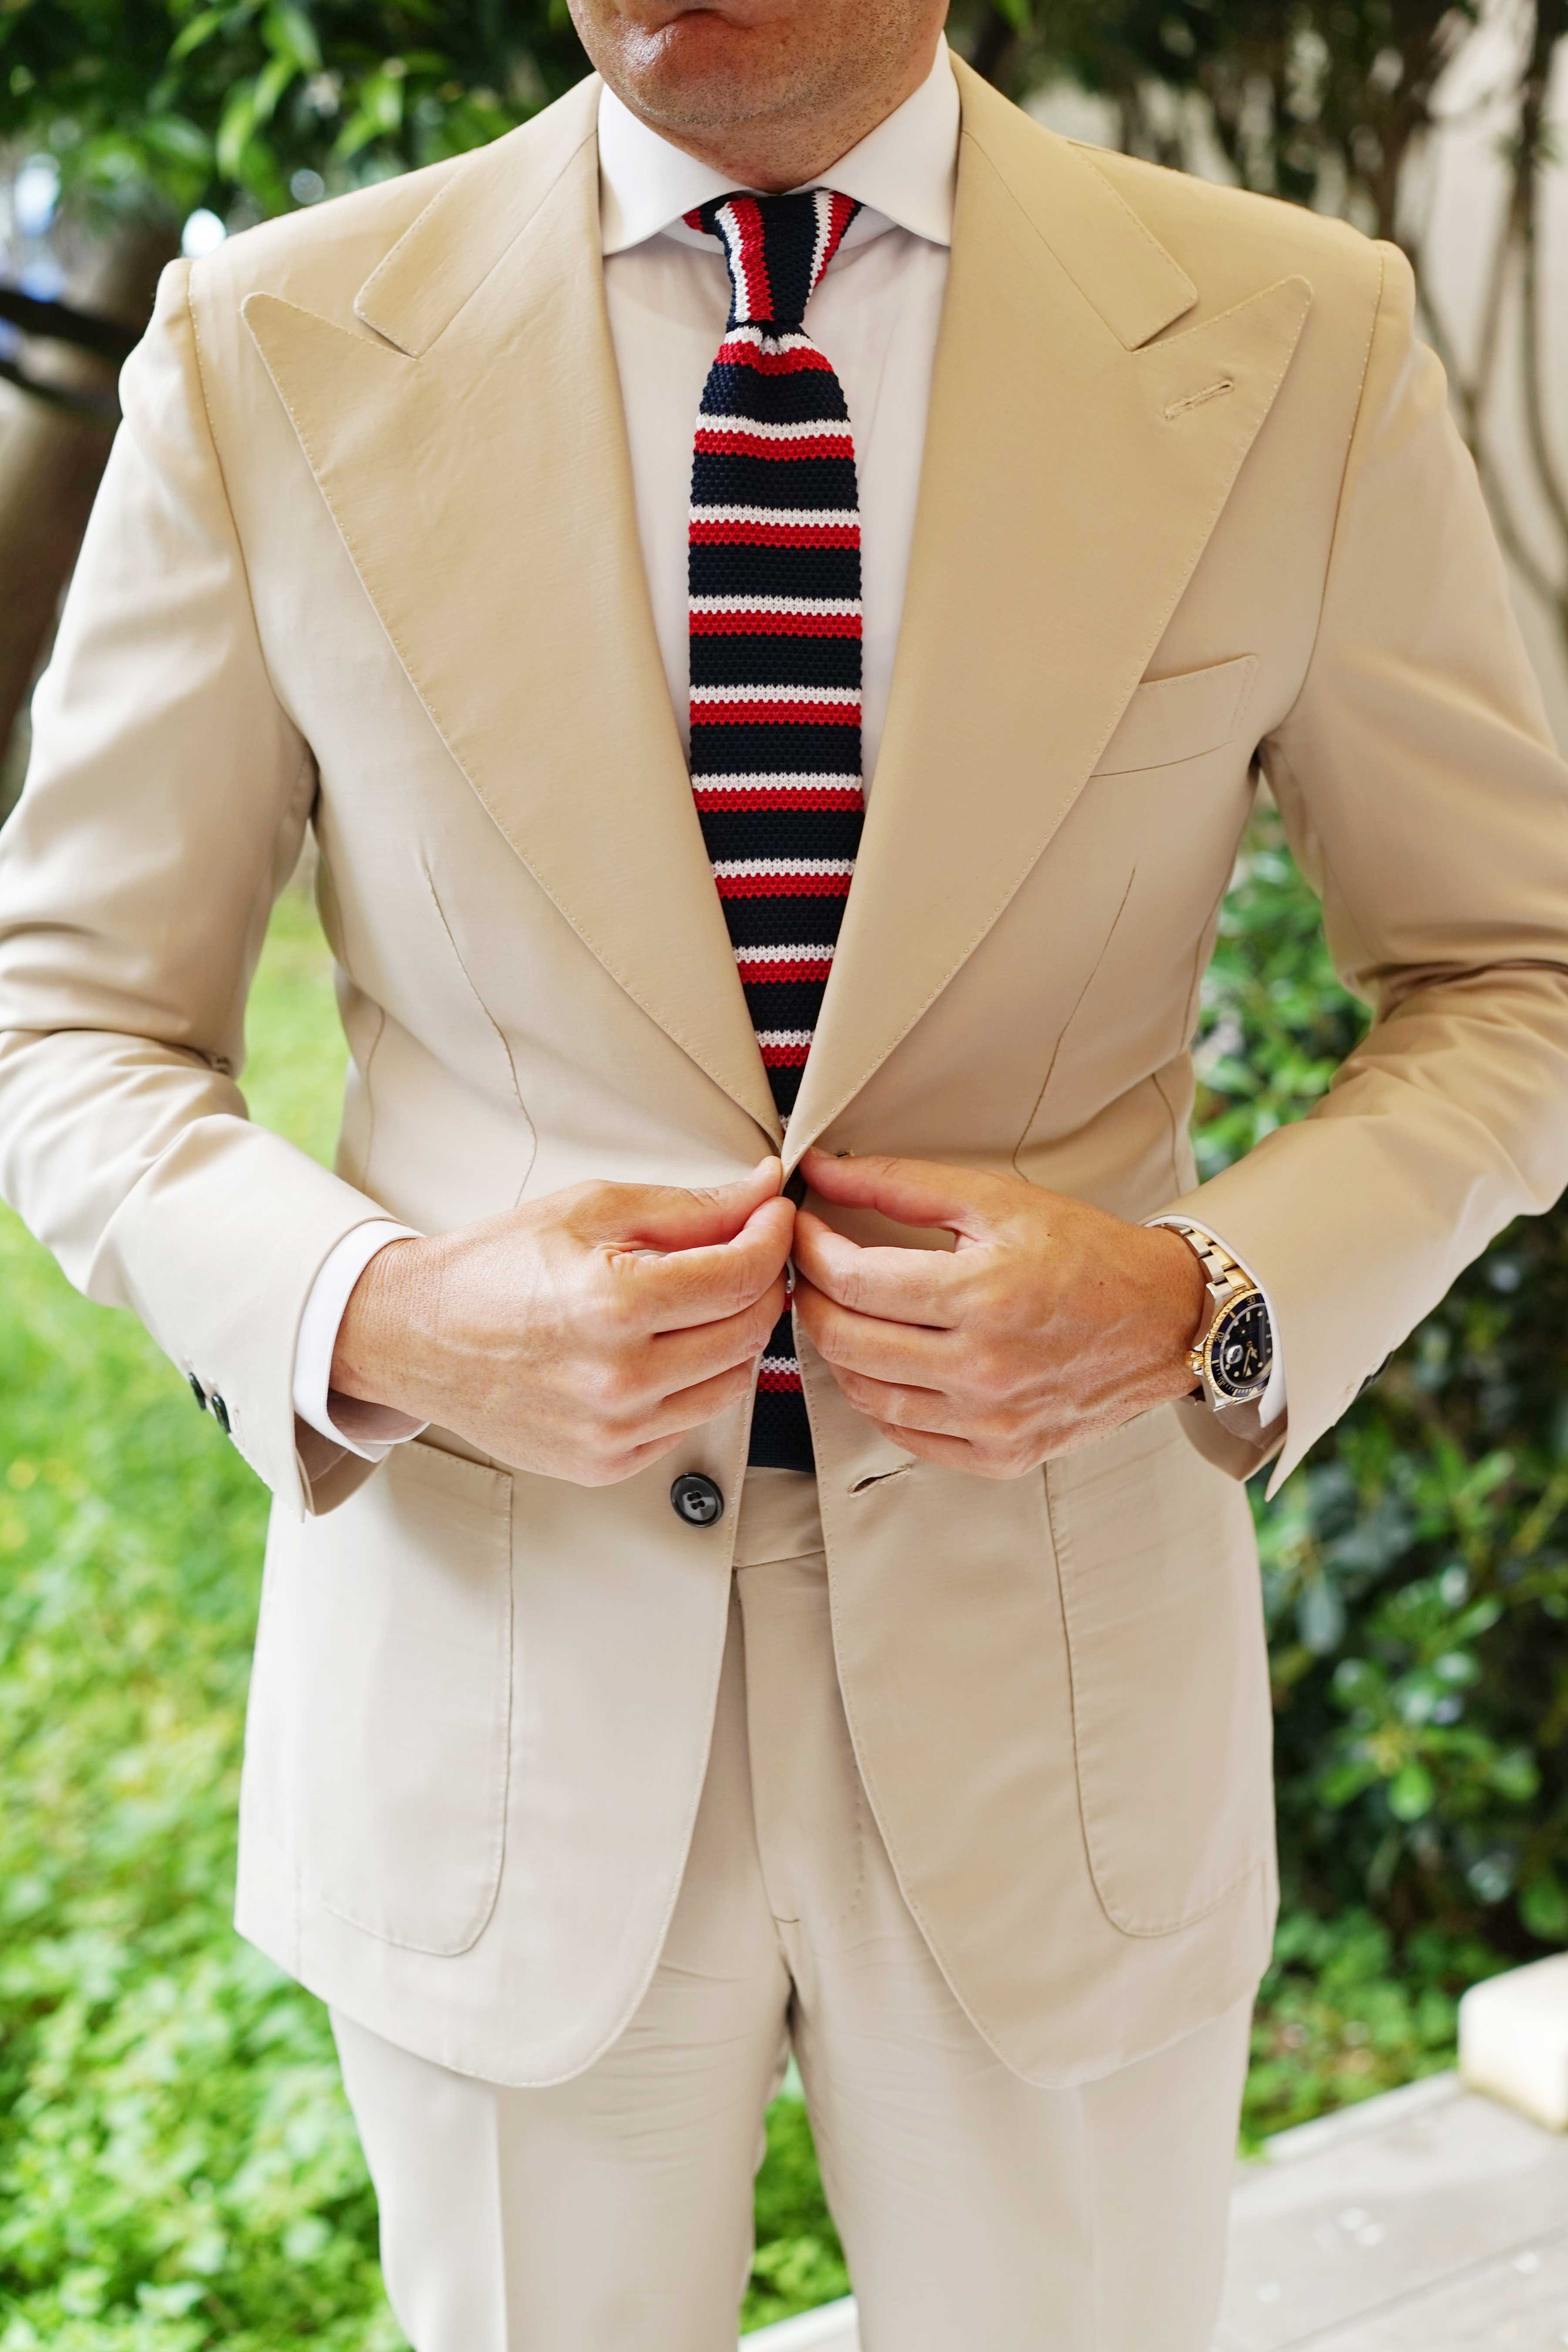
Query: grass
point(178, 2170)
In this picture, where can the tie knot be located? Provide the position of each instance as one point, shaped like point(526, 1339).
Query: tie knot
point(777, 248)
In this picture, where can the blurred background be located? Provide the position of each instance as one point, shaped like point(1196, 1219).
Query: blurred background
point(177, 2168)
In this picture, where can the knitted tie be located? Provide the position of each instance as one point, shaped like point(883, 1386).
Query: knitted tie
point(775, 579)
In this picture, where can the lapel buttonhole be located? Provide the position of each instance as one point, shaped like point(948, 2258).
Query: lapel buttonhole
point(1195, 399)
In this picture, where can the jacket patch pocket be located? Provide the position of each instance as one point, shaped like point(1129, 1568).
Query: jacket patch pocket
point(406, 1609)
point(1172, 718)
point(1172, 1723)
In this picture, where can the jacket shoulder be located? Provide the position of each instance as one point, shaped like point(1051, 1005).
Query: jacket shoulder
point(319, 258)
point(1229, 241)
point(1098, 207)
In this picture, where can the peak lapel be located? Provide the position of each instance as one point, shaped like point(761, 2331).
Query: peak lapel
point(470, 443)
point(1066, 498)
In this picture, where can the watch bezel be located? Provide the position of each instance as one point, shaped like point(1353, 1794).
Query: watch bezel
point(1220, 1386)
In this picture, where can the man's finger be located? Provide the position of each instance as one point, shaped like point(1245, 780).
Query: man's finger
point(904, 1286)
point(680, 1217)
point(678, 1289)
point(967, 1201)
point(900, 1352)
point(676, 1359)
point(897, 1404)
point(689, 1407)
point(954, 1452)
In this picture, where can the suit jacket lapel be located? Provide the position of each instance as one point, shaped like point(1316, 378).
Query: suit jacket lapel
point(1068, 493)
point(469, 440)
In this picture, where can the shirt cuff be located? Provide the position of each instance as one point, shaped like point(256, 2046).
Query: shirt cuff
point(371, 1431)
point(1271, 1404)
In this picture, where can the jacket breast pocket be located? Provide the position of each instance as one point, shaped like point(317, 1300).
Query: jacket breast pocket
point(1171, 1721)
point(406, 1609)
point(1173, 718)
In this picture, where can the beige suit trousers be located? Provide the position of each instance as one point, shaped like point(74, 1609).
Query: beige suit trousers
point(613, 2212)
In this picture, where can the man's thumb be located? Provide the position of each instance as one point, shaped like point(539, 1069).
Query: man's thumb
point(676, 1216)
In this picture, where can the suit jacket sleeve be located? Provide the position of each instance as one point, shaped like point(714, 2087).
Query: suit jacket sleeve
point(1418, 786)
point(164, 809)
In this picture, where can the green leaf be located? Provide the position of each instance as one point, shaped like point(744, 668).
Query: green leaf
point(288, 32)
point(1516, 1774)
point(182, 141)
point(272, 82)
point(1344, 1783)
point(1543, 1907)
point(200, 28)
point(1357, 1683)
point(1411, 1792)
point(237, 122)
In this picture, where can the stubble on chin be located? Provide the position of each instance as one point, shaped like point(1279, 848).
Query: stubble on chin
point(676, 93)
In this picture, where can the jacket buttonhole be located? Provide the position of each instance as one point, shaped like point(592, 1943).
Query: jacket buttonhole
point(1196, 399)
point(878, 1477)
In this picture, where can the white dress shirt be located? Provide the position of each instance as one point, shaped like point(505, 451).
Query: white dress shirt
point(876, 314)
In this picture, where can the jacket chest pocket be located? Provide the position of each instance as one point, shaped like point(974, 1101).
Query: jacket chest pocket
point(406, 1609)
point(1172, 1722)
point(1180, 717)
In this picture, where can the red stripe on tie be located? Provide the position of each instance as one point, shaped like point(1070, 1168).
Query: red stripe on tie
point(734, 441)
point(746, 213)
point(776, 1382)
point(774, 534)
point(757, 975)
point(840, 213)
point(790, 362)
point(783, 796)
point(775, 624)
point(783, 886)
point(775, 710)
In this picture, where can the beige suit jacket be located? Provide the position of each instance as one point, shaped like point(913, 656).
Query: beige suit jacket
point(365, 560)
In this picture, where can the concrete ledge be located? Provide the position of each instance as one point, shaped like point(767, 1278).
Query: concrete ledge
point(831, 2328)
point(1513, 2039)
point(1373, 2115)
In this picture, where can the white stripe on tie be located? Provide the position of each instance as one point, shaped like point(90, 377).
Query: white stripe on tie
point(833, 693)
point(829, 430)
point(795, 518)
point(761, 604)
point(736, 868)
point(802, 951)
point(815, 783)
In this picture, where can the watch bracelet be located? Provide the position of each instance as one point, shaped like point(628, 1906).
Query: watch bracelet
point(1226, 1281)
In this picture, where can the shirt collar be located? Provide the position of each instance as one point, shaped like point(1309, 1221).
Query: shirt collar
point(903, 172)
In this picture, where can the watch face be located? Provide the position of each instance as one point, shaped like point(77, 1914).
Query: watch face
point(1241, 1350)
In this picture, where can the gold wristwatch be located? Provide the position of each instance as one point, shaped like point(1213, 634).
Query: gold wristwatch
point(1235, 1355)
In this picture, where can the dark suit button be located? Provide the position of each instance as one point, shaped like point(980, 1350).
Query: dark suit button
point(197, 1391)
point(220, 1412)
point(696, 1499)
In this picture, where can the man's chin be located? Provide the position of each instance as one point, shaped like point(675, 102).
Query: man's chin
point(700, 74)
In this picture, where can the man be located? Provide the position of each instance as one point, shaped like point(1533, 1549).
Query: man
point(707, 822)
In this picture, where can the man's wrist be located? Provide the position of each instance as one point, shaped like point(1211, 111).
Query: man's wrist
point(372, 1357)
point(1187, 1307)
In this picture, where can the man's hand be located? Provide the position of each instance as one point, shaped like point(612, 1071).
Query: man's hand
point(1050, 1324)
point(583, 1335)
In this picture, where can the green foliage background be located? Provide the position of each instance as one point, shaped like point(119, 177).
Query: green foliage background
point(178, 2171)
point(171, 103)
point(177, 2168)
